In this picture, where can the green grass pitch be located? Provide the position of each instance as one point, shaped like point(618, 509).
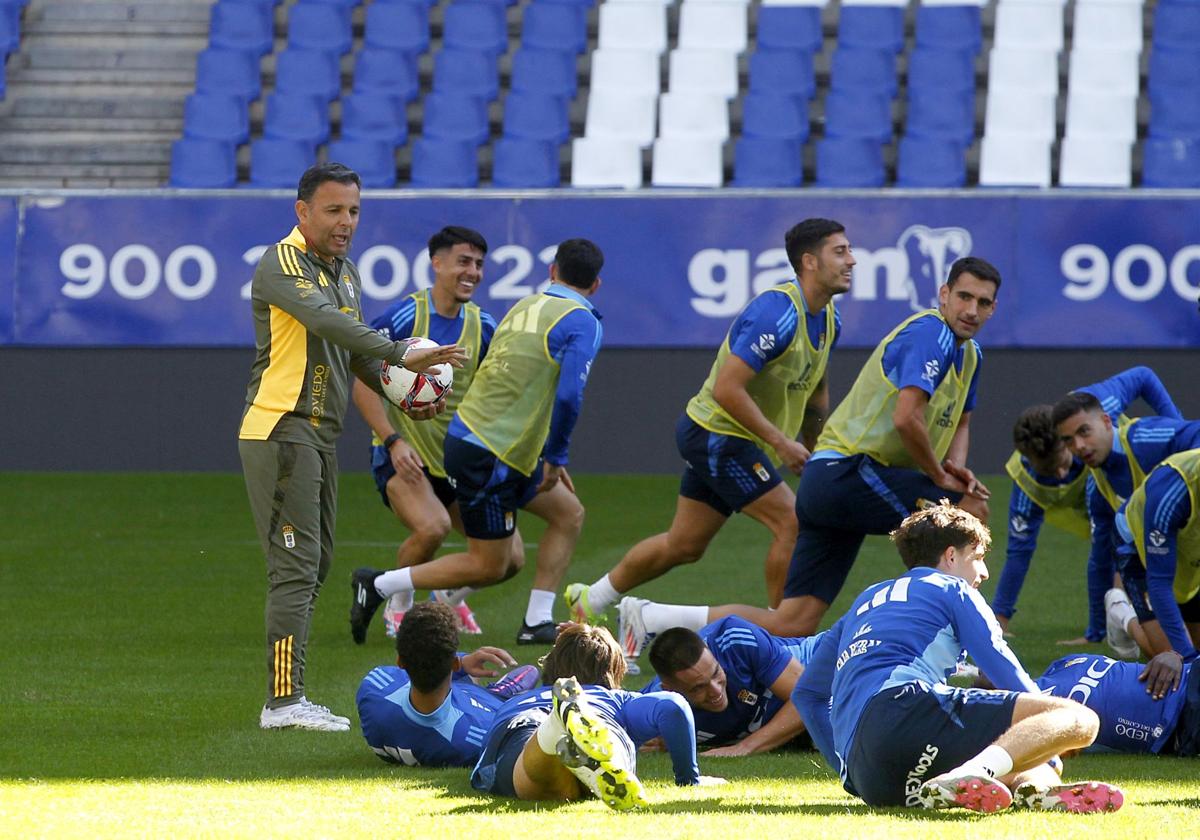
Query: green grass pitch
point(132, 674)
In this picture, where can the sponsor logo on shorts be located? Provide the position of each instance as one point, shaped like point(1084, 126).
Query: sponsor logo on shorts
point(747, 696)
point(916, 776)
point(761, 471)
point(289, 536)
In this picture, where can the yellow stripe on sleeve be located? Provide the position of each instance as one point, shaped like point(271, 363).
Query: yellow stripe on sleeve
point(281, 382)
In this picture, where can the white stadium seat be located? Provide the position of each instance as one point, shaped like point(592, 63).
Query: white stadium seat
point(633, 26)
point(1115, 26)
point(704, 71)
point(605, 163)
point(693, 116)
point(1036, 26)
point(1103, 70)
point(1034, 71)
point(632, 71)
point(1093, 162)
point(713, 26)
point(1007, 160)
point(1101, 115)
point(615, 115)
point(687, 163)
point(1015, 112)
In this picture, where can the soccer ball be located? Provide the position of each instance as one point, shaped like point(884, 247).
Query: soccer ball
point(416, 390)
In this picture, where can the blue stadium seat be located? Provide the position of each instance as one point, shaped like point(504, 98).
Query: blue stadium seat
point(320, 26)
point(296, 116)
point(950, 27)
point(782, 71)
point(200, 164)
point(308, 71)
point(470, 72)
point(404, 2)
point(1173, 71)
point(265, 4)
point(1176, 116)
point(228, 71)
point(475, 26)
point(774, 115)
point(544, 71)
point(880, 27)
point(790, 28)
point(536, 116)
point(242, 26)
point(939, 114)
point(555, 26)
point(374, 116)
point(858, 114)
point(519, 163)
point(373, 160)
point(932, 68)
point(1171, 163)
point(276, 163)
point(10, 30)
point(348, 5)
point(451, 116)
point(766, 162)
point(584, 4)
point(864, 68)
point(849, 162)
point(440, 163)
point(216, 116)
point(929, 162)
point(397, 26)
point(1177, 25)
point(386, 71)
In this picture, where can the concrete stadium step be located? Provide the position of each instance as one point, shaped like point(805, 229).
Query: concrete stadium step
point(114, 107)
point(164, 128)
point(181, 79)
point(86, 59)
point(19, 151)
point(106, 18)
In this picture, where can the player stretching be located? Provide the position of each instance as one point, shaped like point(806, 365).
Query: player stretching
point(766, 386)
point(506, 448)
point(406, 455)
point(581, 735)
point(1050, 486)
point(1119, 458)
point(875, 700)
point(429, 711)
point(738, 679)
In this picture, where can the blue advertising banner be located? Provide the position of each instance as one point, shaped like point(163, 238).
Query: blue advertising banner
point(175, 269)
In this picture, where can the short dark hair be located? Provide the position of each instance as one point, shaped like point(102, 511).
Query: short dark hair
point(589, 654)
point(579, 262)
point(319, 173)
point(675, 650)
point(806, 237)
point(924, 536)
point(981, 268)
point(1033, 433)
point(1072, 404)
point(427, 643)
point(452, 235)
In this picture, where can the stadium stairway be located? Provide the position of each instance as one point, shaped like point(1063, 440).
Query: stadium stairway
point(95, 92)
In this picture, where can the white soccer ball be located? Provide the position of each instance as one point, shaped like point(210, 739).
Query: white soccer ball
point(416, 390)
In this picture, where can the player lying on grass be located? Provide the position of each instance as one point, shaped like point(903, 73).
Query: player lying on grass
point(581, 734)
point(1050, 487)
point(738, 679)
point(875, 700)
point(428, 711)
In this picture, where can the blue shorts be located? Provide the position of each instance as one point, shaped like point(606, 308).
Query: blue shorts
point(1186, 740)
point(1133, 578)
point(501, 752)
point(382, 470)
point(840, 501)
point(910, 733)
point(724, 472)
point(489, 491)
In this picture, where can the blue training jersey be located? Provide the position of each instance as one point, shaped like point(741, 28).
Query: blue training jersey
point(452, 736)
point(1130, 719)
point(921, 354)
point(752, 660)
point(917, 628)
point(775, 315)
point(396, 322)
point(642, 717)
point(1151, 439)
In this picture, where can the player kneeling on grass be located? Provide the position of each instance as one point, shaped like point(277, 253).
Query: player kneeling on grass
point(875, 700)
point(428, 711)
point(581, 734)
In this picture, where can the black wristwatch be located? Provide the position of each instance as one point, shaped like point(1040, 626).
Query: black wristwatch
point(389, 440)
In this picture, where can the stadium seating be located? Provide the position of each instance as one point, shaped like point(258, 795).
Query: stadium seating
point(790, 28)
point(216, 116)
point(693, 116)
point(766, 162)
point(1093, 114)
point(1177, 24)
point(858, 114)
point(943, 70)
point(1007, 160)
point(522, 163)
point(475, 26)
point(1103, 70)
point(613, 115)
point(939, 115)
point(713, 26)
point(554, 26)
point(633, 26)
point(864, 68)
point(373, 116)
point(782, 71)
point(373, 160)
point(1012, 111)
point(386, 71)
point(536, 116)
point(1171, 163)
point(1094, 162)
point(308, 72)
point(635, 72)
point(452, 116)
point(704, 71)
point(949, 27)
point(1032, 71)
point(686, 162)
point(930, 162)
point(775, 116)
point(1116, 26)
point(1176, 116)
point(296, 116)
point(324, 27)
point(441, 164)
point(10, 31)
point(605, 162)
point(274, 163)
point(397, 26)
point(228, 71)
point(849, 162)
point(874, 27)
point(1171, 70)
point(200, 164)
point(1029, 26)
point(467, 72)
point(242, 26)
point(545, 71)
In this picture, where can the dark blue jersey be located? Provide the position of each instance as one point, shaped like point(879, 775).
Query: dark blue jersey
point(452, 736)
point(1130, 719)
point(921, 354)
point(775, 315)
point(752, 660)
point(396, 323)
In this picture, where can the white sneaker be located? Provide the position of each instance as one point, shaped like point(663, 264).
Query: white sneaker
point(631, 627)
point(1118, 612)
point(324, 710)
point(303, 715)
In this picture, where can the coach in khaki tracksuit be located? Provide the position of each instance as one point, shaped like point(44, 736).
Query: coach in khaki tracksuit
point(309, 337)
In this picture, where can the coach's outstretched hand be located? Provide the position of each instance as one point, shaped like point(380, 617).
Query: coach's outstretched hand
point(419, 360)
point(1161, 674)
